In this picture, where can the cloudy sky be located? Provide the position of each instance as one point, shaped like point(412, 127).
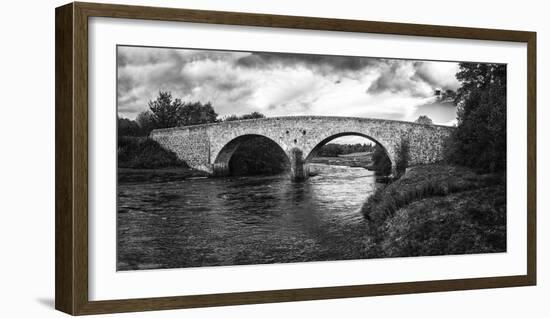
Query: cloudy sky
point(282, 84)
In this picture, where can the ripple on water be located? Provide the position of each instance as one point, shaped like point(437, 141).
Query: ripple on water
point(243, 220)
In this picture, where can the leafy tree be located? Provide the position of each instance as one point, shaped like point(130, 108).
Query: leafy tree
point(480, 138)
point(127, 127)
point(146, 121)
point(232, 118)
point(447, 95)
point(252, 115)
point(330, 150)
point(196, 113)
point(166, 110)
point(334, 150)
point(425, 120)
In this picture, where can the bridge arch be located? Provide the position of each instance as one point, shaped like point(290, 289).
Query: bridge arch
point(222, 162)
point(325, 141)
point(313, 152)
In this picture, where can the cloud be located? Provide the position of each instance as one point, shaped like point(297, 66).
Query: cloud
point(279, 84)
point(323, 64)
point(416, 78)
point(437, 74)
point(442, 113)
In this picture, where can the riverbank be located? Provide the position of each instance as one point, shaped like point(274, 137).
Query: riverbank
point(128, 175)
point(362, 160)
point(437, 210)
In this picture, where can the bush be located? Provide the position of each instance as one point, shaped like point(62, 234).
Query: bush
point(145, 153)
point(127, 127)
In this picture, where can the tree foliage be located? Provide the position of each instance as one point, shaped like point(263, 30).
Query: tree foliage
point(166, 112)
point(146, 120)
point(253, 115)
point(480, 138)
point(127, 127)
point(334, 150)
point(425, 120)
point(196, 113)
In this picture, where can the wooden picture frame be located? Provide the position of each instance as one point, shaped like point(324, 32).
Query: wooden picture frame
point(71, 90)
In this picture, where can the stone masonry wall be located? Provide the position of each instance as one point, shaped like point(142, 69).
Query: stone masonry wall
point(190, 145)
point(203, 146)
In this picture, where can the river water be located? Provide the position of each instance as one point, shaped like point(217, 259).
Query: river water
point(243, 220)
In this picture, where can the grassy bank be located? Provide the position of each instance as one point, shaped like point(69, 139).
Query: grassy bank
point(438, 209)
point(141, 159)
point(145, 153)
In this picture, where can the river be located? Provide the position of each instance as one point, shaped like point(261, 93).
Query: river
point(243, 220)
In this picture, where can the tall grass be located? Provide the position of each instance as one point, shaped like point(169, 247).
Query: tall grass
point(416, 186)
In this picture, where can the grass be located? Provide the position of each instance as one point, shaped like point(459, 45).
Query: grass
point(423, 182)
point(437, 210)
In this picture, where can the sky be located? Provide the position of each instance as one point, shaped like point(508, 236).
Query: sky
point(286, 84)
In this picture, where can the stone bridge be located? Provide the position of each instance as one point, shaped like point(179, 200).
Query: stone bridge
point(209, 147)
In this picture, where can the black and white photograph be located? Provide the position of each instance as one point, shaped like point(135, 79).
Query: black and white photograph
point(231, 158)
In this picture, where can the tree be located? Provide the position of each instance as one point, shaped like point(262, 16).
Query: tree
point(252, 115)
point(146, 120)
point(231, 118)
point(196, 113)
point(165, 110)
point(127, 127)
point(480, 138)
point(330, 150)
point(425, 120)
